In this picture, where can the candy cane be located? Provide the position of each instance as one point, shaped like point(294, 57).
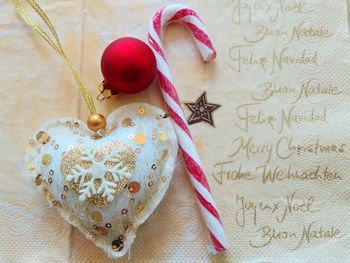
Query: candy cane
point(185, 15)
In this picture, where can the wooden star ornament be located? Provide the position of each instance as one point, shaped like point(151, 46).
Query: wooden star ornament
point(202, 110)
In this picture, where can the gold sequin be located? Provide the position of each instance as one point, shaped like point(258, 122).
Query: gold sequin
point(38, 180)
point(46, 159)
point(42, 137)
point(96, 216)
point(163, 136)
point(56, 203)
point(139, 208)
point(141, 111)
point(127, 122)
point(134, 187)
point(102, 231)
point(140, 138)
point(165, 155)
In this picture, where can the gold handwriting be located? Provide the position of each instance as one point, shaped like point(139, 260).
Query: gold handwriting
point(222, 173)
point(278, 173)
point(312, 232)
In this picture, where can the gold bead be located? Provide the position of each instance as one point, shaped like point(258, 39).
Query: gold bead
point(96, 122)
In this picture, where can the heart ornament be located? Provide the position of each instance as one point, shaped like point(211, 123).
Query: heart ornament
point(105, 184)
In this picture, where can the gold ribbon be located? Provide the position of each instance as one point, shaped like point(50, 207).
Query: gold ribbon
point(55, 44)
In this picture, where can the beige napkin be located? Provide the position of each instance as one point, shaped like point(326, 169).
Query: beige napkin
point(278, 219)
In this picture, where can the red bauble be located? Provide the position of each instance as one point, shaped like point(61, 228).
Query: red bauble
point(128, 65)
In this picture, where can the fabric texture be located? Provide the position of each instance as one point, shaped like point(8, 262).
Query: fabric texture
point(105, 184)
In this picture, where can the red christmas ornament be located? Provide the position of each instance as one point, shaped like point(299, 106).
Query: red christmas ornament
point(128, 65)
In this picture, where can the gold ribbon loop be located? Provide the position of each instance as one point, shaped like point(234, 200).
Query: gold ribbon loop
point(55, 44)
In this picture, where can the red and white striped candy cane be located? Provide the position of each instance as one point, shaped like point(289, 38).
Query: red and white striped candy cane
point(185, 15)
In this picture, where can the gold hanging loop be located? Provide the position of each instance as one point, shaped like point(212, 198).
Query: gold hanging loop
point(55, 44)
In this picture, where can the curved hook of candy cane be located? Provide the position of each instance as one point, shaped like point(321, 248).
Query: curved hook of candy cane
point(185, 15)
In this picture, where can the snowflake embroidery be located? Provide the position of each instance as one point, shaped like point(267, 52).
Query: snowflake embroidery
point(99, 173)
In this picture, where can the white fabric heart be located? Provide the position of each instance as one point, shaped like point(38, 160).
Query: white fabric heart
point(108, 185)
